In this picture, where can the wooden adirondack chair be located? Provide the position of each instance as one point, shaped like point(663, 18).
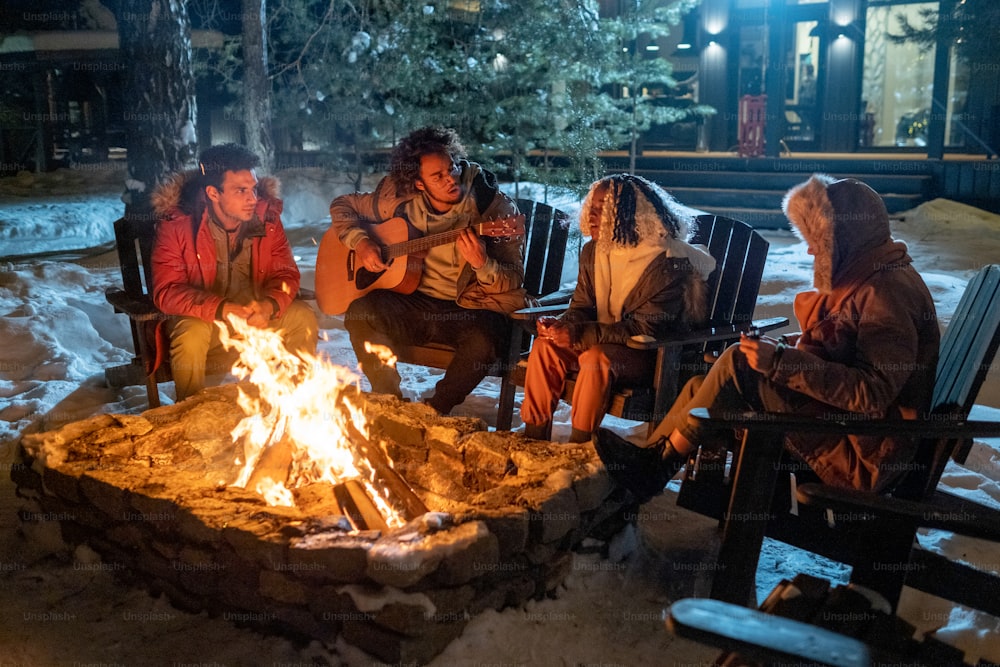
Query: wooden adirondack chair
point(546, 233)
point(134, 243)
point(739, 252)
point(806, 621)
point(873, 533)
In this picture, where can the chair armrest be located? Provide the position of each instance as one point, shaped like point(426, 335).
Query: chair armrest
point(139, 309)
point(940, 426)
point(535, 312)
point(942, 510)
point(559, 297)
point(706, 335)
point(763, 637)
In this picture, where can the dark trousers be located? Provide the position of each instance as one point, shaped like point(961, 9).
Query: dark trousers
point(391, 319)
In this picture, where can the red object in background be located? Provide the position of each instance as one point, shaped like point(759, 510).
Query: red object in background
point(752, 110)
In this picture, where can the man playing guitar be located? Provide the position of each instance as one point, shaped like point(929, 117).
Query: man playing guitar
point(465, 289)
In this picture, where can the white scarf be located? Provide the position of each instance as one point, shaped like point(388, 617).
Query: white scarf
point(617, 270)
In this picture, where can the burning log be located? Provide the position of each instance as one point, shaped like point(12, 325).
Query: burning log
point(274, 463)
point(358, 507)
point(399, 489)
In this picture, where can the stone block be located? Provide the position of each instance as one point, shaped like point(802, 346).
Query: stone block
point(107, 495)
point(487, 452)
point(64, 481)
point(592, 486)
point(334, 556)
point(283, 588)
point(404, 557)
point(553, 515)
point(510, 524)
point(473, 560)
point(256, 543)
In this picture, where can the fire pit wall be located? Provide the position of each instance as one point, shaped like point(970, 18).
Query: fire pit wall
point(150, 493)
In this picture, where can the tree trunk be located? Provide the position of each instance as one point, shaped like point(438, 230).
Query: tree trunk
point(256, 85)
point(155, 40)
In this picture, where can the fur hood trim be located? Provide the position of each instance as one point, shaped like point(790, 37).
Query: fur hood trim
point(182, 191)
point(840, 220)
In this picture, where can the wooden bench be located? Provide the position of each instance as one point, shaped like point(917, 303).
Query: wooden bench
point(740, 253)
point(873, 533)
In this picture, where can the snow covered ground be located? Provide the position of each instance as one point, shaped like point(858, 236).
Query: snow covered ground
point(58, 334)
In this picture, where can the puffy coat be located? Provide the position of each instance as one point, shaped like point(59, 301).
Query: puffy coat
point(870, 337)
point(184, 255)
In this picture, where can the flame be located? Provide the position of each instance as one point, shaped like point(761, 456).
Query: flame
point(383, 353)
point(306, 401)
point(275, 493)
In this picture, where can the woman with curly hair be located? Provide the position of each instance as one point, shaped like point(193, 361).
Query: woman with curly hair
point(638, 276)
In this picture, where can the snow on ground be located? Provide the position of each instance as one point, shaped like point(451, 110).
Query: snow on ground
point(58, 334)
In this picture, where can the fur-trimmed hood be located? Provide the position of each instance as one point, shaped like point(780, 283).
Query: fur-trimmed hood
point(841, 220)
point(183, 192)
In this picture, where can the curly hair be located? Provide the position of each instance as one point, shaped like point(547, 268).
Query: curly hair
point(631, 203)
point(404, 164)
point(217, 160)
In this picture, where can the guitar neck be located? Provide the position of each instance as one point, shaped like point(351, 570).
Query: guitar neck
point(426, 242)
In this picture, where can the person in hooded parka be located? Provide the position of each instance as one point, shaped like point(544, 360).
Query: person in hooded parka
point(638, 276)
point(868, 346)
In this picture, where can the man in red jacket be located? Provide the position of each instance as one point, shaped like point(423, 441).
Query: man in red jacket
point(221, 250)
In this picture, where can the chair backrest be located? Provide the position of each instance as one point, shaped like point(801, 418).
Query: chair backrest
point(968, 347)
point(546, 232)
point(740, 253)
point(134, 243)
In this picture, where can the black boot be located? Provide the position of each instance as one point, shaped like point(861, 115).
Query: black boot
point(538, 431)
point(642, 470)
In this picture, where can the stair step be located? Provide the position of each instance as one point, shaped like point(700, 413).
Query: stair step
point(882, 183)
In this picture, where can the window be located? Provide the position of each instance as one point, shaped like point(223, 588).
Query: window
point(898, 79)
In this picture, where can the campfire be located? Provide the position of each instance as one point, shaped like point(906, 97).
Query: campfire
point(296, 503)
point(303, 427)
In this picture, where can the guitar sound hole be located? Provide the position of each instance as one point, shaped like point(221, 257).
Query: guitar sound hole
point(365, 278)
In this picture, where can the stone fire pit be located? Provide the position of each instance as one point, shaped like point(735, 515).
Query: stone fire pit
point(151, 494)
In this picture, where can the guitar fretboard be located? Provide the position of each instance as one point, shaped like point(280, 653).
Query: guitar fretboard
point(425, 242)
point(403, 248)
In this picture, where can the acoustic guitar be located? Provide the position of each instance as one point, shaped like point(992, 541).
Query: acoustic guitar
point(340, 279)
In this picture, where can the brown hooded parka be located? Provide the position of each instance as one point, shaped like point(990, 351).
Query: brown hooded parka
point(870, 337)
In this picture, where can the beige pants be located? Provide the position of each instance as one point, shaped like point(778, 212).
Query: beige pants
point(598, 369)
point(196, 351)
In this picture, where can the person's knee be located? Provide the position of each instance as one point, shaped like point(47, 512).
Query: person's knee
point(362, 313)
point(190, 337)
point(593, 360)
point(300, 326)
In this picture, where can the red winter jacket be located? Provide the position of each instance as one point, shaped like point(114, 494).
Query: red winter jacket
point(184, 257)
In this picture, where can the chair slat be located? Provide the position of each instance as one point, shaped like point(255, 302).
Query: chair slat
point(970, 340)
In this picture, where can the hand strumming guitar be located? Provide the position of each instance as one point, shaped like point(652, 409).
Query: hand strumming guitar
point(369, 255)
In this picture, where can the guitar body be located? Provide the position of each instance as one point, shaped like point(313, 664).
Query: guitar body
point(339, 280)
